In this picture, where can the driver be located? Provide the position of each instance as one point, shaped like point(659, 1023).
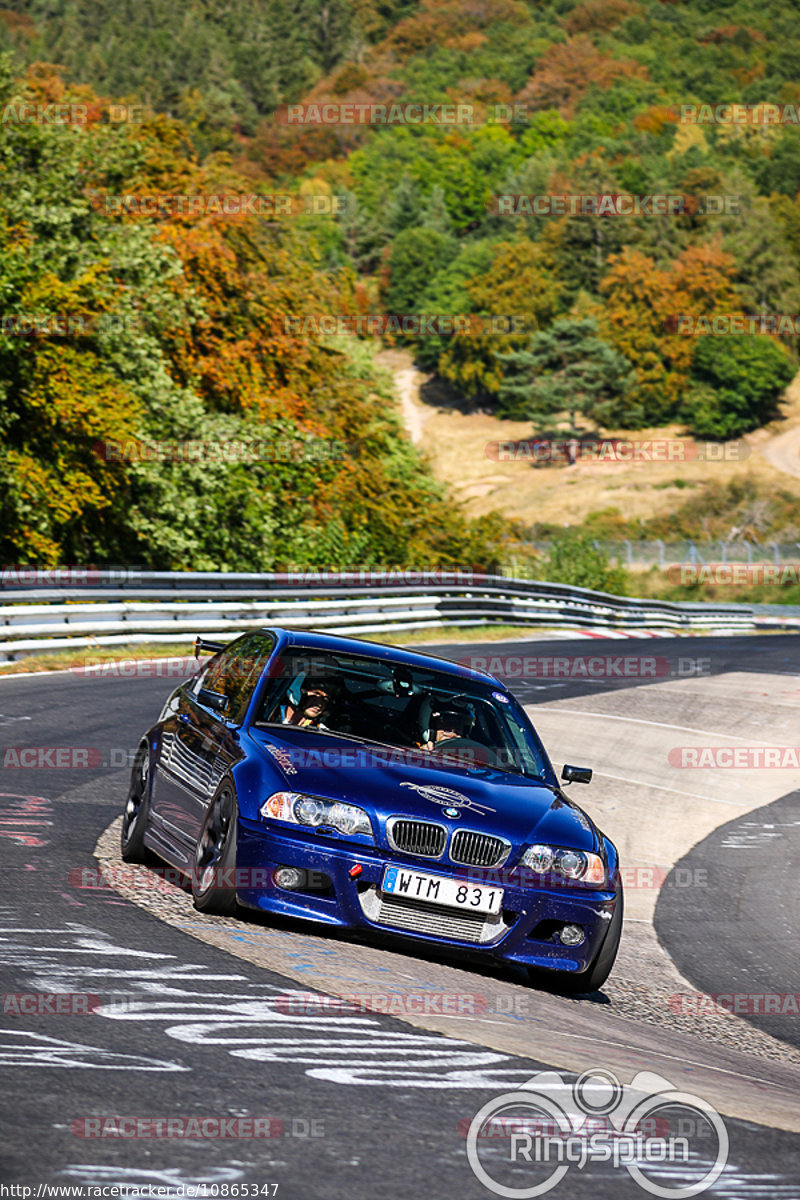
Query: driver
point(315, 703)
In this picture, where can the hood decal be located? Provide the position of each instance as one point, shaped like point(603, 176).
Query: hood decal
point(445, 797)
point(282, 757)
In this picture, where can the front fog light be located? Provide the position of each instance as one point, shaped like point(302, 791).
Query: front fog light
point(570, 935)
point(289, 878)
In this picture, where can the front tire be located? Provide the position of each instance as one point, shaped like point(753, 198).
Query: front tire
point(214, 869)
point(598, 971)
point(134, 817)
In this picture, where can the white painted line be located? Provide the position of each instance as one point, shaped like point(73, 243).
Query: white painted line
point(580, 712)
point(693, 1063)
point(662, 788)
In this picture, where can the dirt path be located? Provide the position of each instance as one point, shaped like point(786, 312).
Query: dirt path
point(783, 450)
point(464, 451)
point(408, 387)
point(409, 380)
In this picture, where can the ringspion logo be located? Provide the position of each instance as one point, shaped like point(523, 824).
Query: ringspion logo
point(672, 1143)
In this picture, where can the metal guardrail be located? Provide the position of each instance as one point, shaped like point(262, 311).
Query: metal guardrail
point(113, 608)
point(657, 552)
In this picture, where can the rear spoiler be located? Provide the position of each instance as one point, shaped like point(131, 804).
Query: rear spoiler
point(201, 644)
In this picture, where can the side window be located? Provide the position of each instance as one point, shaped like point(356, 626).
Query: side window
point(236, 672)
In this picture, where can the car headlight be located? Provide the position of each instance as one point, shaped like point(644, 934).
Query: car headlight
point(570, 864)
point(299, 809)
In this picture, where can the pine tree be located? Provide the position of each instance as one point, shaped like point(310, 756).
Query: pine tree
point(566, 368)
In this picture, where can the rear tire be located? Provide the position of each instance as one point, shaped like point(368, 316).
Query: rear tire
point(134, 817)
point(598, 971)
point(214, 868)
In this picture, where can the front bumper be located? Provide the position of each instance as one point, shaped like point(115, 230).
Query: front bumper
point(522, 932)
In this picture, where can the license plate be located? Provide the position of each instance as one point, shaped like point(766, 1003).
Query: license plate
point(414, 885)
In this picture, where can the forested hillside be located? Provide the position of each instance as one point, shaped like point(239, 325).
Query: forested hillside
point(153, 409)
point(222, 65)
point(598, 99)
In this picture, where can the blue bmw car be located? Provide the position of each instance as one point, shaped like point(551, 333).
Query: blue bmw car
point(367, 786)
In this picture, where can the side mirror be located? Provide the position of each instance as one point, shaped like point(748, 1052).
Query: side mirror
point(213, 700)
point(576, 774)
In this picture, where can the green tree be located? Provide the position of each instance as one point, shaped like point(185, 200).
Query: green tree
point(574, 558)
point(416, 256)
point(404, 207)
point(765, 275)
point(434, 213)
point(363, 239)
point(448, 292)
point(736, 384)
point(566, 368)
point(780, 172)
point(517, 295)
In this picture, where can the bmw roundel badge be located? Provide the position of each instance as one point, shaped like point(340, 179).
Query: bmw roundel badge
point(451, 812)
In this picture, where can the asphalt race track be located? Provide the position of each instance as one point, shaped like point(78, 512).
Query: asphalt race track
point(752, 941)
point(173, 1017)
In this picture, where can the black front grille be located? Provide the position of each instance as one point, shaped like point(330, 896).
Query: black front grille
point(477, 849)
point(418, 837)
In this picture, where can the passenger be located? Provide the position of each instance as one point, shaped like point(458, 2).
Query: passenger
point(446, 724)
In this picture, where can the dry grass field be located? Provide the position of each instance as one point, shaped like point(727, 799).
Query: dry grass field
point(455, 441)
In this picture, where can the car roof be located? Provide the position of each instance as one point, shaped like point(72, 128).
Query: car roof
point(337, 643)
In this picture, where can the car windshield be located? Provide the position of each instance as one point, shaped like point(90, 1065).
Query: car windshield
point(372, 699)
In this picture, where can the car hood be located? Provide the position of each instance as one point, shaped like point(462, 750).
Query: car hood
point(393, 782)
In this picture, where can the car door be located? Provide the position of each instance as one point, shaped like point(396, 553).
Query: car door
point(218, 710)
point(180, 782)
point(200, 740)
